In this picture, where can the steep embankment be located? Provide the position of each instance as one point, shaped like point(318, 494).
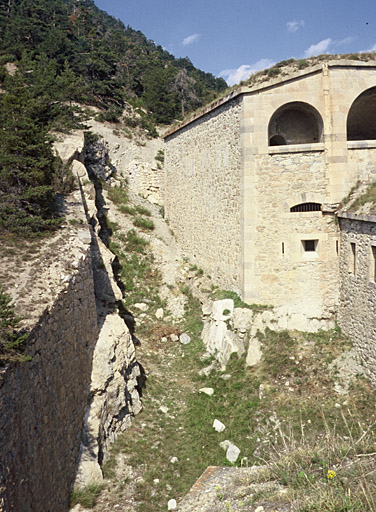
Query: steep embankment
point(298, 414)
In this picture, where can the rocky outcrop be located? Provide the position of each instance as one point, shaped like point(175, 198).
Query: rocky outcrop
point(114, 397)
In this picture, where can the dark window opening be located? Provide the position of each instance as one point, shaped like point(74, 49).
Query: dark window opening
point(310, 245)
point(337, 247)
point(373, 264)
point(361, 120)
point(295, 123)
point(277, 140)
point(283, 248)
point(306, 207)
point(352, 265)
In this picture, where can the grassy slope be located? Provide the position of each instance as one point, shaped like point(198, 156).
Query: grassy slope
point(284, 413)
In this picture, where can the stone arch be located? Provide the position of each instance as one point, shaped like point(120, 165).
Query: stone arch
point(306, 207)
point(361, 119)
point(295, 123)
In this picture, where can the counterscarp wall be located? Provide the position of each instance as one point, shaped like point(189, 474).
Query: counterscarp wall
point(43, 402)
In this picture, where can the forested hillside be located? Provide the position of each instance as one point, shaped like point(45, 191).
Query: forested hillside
point(56, 54)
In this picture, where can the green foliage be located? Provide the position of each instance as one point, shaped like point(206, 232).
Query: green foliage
point(141, 222)
point(86, 496)
point(10, 341)
point(99, 61)
point(218, 294)
point(118, 195)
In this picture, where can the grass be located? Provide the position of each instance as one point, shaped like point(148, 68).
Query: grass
point(218, 294)
point(86, 496)
point(142, 223)
point(118, 195)
point(368, 197)
point(282, 414)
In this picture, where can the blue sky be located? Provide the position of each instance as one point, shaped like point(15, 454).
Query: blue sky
point(233, 38)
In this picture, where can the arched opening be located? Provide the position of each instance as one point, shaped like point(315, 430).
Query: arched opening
point(361, 120)
point(306, 207)
point(277, 140)
point(295, 123)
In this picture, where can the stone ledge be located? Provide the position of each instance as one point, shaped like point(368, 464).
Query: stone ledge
point(357, 216)
point(361, 144)
point(296, 148)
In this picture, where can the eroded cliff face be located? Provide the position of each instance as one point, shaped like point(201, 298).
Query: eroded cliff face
point(61, 411)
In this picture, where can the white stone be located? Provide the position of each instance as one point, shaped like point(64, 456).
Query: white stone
point(171, 505)
point(174, 337)
point(242, 319)
point(163, 409)
point(218, 425)
point(254, 353)
point(219, 306)
point(141, 306)
point(159, 314)
point(185, 339)
point(232, 453)
point(207, 391)
point(225, 444)
point(173, 460)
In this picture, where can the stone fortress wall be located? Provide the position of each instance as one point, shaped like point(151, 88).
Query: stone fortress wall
point(299, 158)
point(357, 306)
point(203, 207)
point(61, 410)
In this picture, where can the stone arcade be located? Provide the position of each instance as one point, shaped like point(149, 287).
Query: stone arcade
point(253, 183)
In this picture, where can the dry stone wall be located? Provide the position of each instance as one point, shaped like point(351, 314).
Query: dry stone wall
point(202, 200)
point(357, 307)
point(43, 402)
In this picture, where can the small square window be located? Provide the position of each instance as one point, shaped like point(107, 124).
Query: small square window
point(309, 245)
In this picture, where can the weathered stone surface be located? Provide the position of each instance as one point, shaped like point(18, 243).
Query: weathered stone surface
point(115, 399)
point(220, 306)
point(232, 453)
point(71, 147)
point(43, 402)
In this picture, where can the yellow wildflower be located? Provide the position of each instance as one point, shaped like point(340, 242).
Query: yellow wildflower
point(331, 474)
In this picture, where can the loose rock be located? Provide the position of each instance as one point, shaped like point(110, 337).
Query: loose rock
point(232, 453)
point(207, 391)
point(171, 505)
point(185, 339)
point(218, 426)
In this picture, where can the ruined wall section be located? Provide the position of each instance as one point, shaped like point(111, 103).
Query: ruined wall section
point(357, 307)
point(203, 192)
point(43, 402)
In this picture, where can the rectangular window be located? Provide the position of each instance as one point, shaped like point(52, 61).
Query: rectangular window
point(352, 261)
point(309, 245)
point(372, 270)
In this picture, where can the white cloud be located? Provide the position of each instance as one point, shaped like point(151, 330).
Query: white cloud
point(319, 48)
point(234, 76)
point(294, 25)
point(345, 41)
point(191, 39)
point(372, 49)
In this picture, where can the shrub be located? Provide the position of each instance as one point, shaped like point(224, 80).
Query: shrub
point(141, 222)
point(10, 340)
